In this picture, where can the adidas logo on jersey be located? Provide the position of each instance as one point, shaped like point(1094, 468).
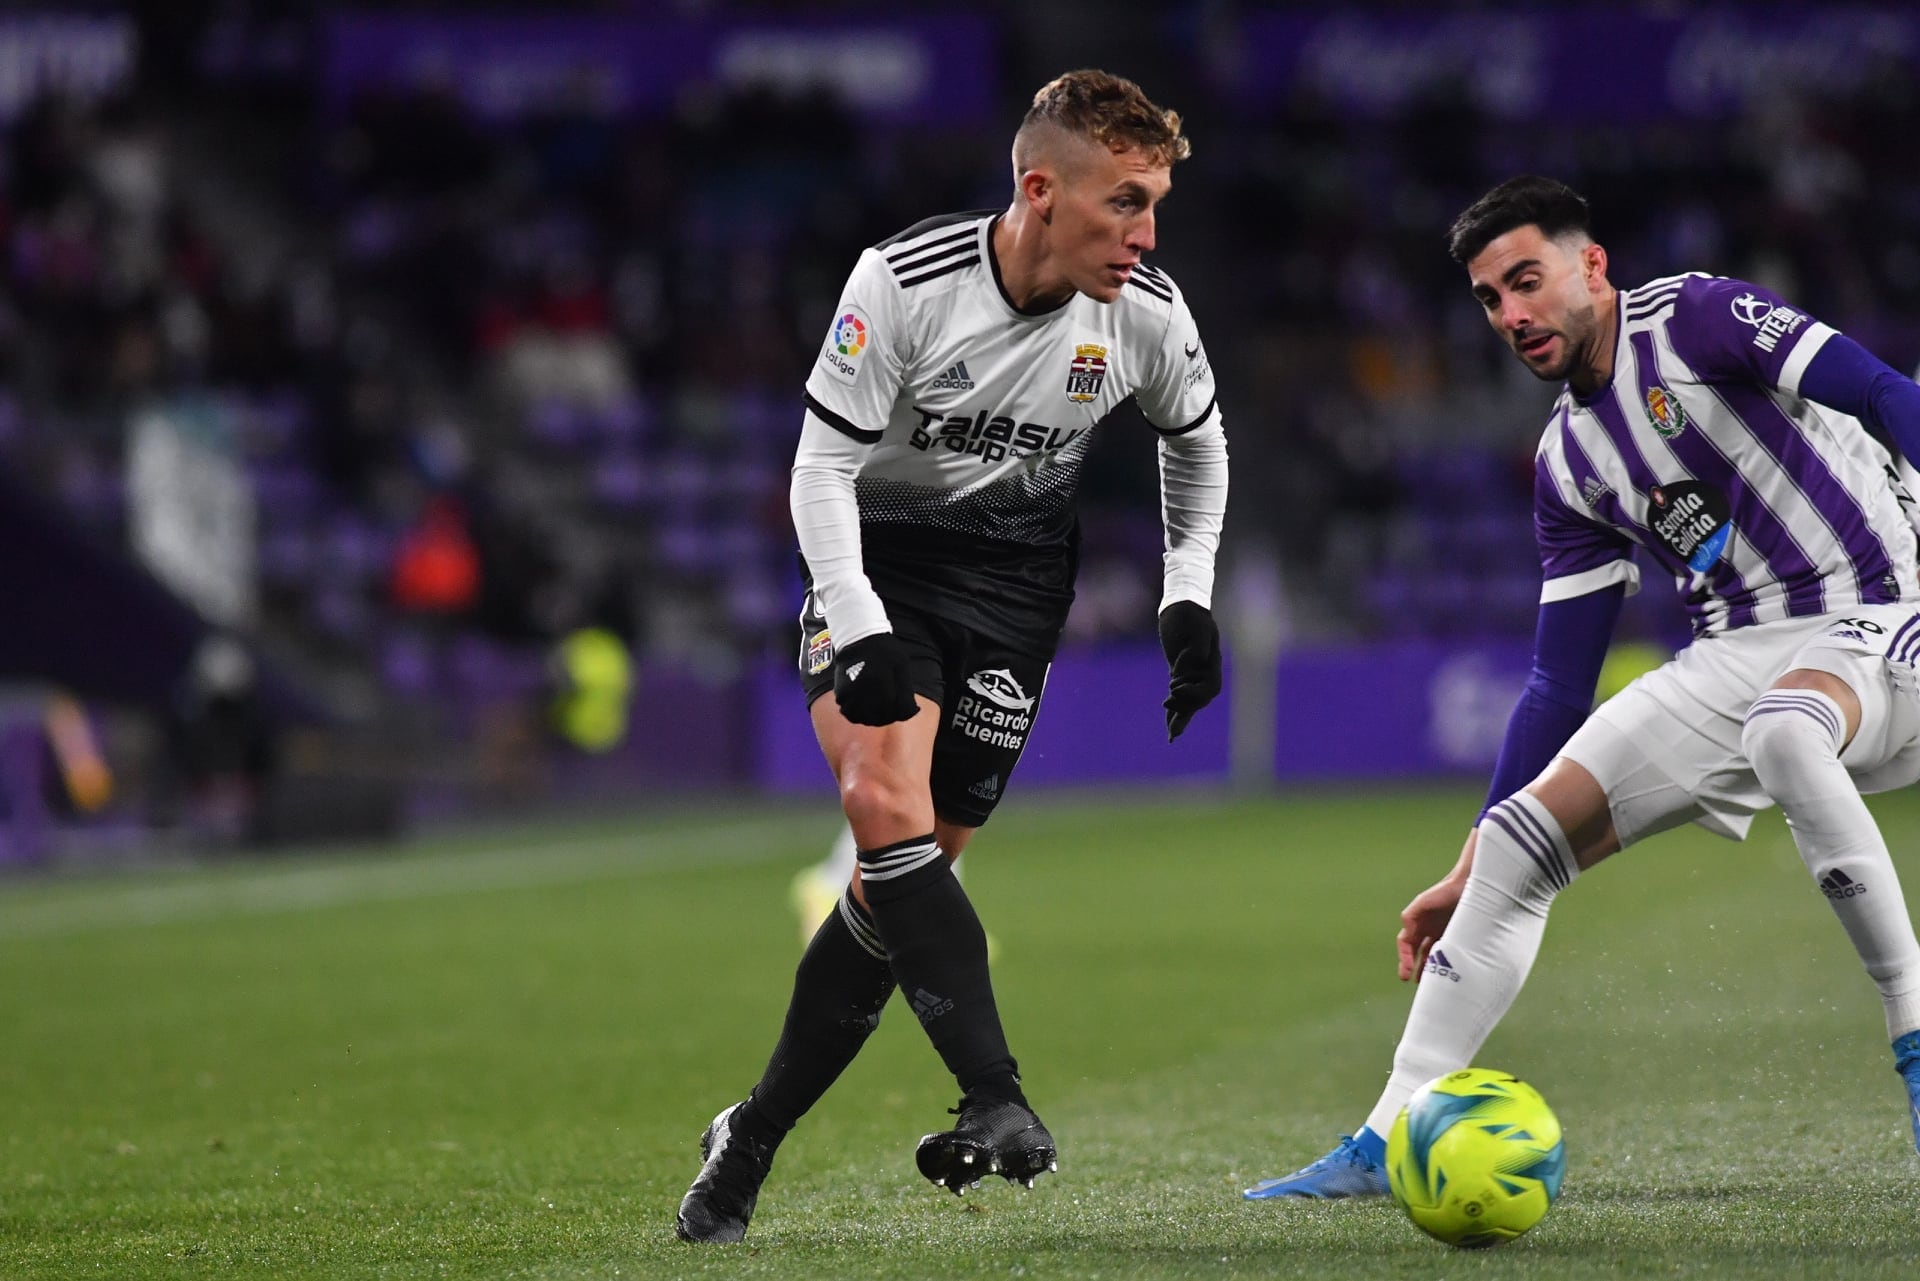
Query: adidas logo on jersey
point(1838, 885)
point(955, 379)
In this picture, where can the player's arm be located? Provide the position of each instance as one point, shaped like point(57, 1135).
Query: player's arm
point(1845, 376)
point(1570, 641)
point(1587, 571)
point(849, 399)
point(1179, 402)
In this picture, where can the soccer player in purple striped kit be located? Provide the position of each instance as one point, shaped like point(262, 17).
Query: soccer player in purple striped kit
point(1721, 429)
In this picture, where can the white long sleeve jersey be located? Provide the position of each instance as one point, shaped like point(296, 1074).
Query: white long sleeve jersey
point(945, 432)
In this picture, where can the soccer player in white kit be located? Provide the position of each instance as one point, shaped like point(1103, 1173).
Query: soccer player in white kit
point(966, 372)
point(1718, 427)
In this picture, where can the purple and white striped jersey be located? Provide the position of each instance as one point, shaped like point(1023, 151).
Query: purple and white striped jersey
point(1763, 505)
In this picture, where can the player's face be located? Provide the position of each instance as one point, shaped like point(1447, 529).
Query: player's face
point(1539, 296)
point(1102, 219)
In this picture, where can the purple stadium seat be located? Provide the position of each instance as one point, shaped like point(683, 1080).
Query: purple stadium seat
point(620, 480)
point(407, 666)
point(286, 555)
point(625, 422)
point(555, 424)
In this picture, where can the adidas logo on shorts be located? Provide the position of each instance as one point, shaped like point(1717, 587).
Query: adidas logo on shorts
point(987, 789)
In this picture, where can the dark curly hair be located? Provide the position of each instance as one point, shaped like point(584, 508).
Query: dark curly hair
point(1552, 206)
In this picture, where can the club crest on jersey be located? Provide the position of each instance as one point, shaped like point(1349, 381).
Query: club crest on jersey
point(1664, 412)
point(1086, 373)
point(845, 341)
point(819, 652)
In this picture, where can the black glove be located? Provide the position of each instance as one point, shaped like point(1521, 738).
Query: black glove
point(1192, 645)
point(873, 680)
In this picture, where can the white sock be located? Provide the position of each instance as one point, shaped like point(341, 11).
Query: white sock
point(1479, 962)
point(1792, 739)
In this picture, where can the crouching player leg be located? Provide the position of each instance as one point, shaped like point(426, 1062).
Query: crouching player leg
point(1844, 720)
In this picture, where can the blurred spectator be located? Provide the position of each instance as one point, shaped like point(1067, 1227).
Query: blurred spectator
point(436, 569)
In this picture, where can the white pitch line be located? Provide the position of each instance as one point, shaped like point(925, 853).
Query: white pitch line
point(315, 882)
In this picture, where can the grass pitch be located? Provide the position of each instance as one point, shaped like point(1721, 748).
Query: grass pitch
point(490, 1056)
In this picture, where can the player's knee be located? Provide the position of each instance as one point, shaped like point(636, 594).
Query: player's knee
point(1521, 854)
point(1785, 729)
point(881, 801)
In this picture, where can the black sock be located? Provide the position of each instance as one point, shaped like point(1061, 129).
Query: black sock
point(839, 989)
point(939, 955)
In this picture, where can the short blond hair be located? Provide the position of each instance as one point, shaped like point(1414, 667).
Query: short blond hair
point(1107, 110)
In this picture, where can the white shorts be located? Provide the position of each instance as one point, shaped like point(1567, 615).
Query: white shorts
point(1666, 749)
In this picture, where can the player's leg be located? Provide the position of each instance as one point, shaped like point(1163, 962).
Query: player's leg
point(1527, 849)
point(844, 977)
point(817, 887)
point(1632, 770)
point(843, 980)
point(934, 937)
point(1838, 710)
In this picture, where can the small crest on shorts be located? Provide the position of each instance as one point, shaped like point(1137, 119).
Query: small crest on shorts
point(1665, 413)
point(1087, 372)
point(819, 652)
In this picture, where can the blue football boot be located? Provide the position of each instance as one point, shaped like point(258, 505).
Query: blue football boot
point(1906, 1061)
point(1357, 1168)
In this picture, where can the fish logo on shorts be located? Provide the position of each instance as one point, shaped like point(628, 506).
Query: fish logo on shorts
point(999, 686)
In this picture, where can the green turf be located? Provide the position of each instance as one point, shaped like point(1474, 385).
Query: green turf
point(490, 1057)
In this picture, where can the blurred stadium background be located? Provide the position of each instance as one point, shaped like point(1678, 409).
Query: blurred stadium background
point(395, 412)
point(396, 403)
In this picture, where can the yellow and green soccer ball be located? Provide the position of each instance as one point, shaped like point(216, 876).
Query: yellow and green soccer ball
point(1475, 1158)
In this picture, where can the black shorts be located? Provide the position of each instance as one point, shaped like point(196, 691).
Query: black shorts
point(988, 694)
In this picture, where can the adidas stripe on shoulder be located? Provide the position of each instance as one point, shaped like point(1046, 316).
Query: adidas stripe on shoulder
point(934, 247)
point(1650, 298)
point(1152, 281)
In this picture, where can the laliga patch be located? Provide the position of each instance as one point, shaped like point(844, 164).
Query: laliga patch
point(819, 652)
point(847, 340)
point(1691, 520)
point(1664, 412)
